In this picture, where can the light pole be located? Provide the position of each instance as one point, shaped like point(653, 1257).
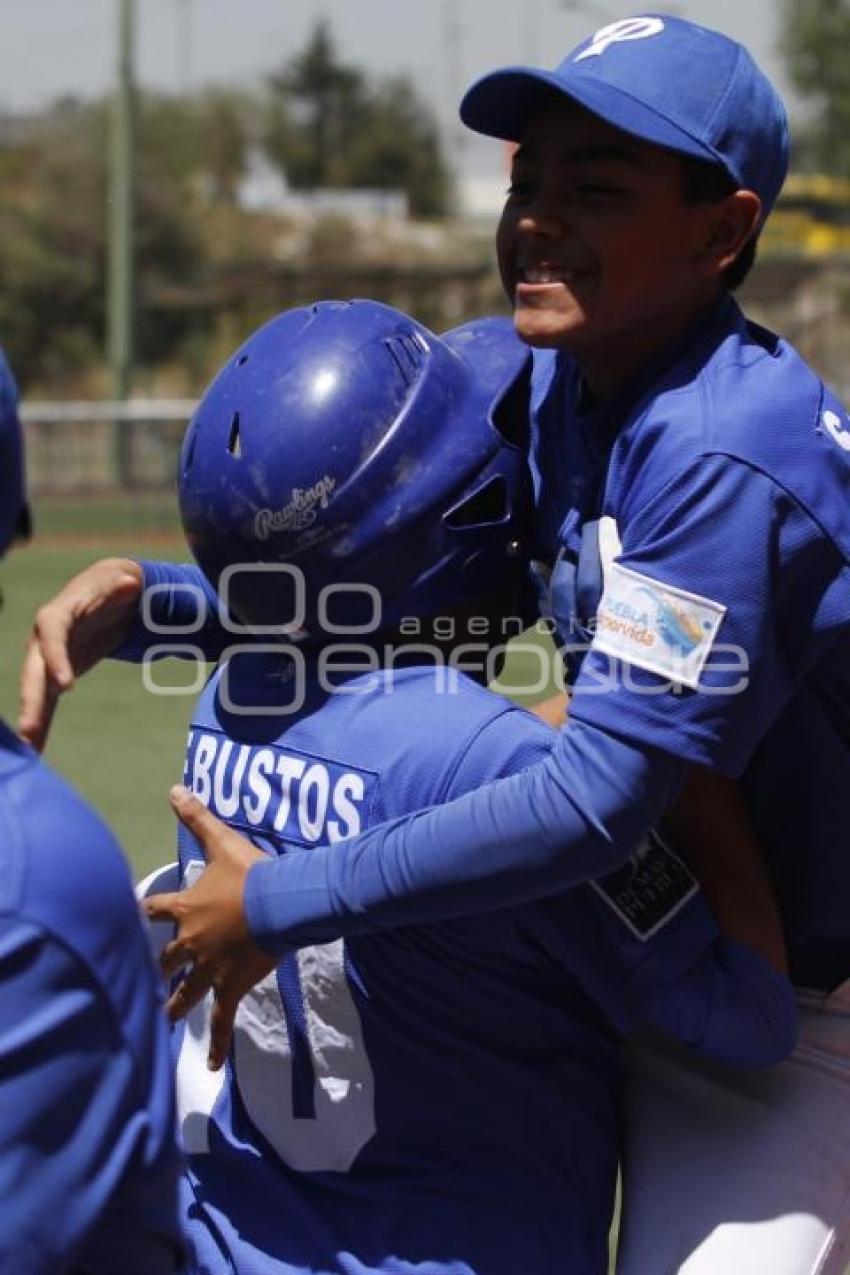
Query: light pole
point(120, 295)
point(184, 43)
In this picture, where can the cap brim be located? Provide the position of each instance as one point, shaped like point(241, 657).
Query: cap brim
point(501, 104)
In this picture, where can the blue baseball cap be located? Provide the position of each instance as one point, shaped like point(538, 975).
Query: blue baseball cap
point(662, 79)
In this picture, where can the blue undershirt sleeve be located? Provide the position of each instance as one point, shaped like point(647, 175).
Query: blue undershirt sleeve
point(730, 1005)
point(576, 815)
point(181, 610)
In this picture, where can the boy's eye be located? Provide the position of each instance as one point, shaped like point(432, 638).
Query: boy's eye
point(597, 190)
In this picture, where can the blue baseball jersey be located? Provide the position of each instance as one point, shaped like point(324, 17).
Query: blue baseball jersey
point(89, 1166)
point(439, 1099)
point(698, 530)
point(713, 492)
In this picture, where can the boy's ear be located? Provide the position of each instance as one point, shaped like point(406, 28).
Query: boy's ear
point(731, 223)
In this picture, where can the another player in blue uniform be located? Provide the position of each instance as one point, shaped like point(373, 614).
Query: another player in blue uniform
point(88, 1156)
point(714, 463)
point(438, 1098)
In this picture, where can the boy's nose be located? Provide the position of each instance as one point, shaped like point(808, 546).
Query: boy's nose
point(545, 211)
point(543, 218)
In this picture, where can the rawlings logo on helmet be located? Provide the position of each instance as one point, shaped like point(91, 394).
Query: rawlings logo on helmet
point(299, 513)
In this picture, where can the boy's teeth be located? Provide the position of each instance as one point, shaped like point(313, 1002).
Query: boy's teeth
point(546, 274)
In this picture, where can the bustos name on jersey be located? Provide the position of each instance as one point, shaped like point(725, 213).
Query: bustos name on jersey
point(285, 796)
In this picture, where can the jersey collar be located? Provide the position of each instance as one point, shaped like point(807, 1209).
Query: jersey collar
point(601, 425)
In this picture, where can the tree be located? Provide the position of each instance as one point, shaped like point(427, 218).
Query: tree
point(815, 39)
point(328, 126)
point(398, 147)
point(227, 121)
point(325, 101)
point(53, 233)
point(52, 242)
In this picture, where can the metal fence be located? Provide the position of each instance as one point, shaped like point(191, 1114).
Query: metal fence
point(99, 447)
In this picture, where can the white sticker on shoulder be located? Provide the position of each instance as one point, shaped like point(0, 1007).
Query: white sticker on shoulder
point(609, 544)
point(655, 626)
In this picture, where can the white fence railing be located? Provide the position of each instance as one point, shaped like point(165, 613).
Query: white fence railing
point(78, 447)
point(130, 411)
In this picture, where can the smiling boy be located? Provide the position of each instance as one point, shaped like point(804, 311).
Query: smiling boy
point(601, 249)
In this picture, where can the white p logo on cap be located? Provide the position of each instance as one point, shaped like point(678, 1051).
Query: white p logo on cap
point(836, 429)
point(619, 32)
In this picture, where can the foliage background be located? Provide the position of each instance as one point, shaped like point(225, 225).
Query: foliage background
point(200, 252)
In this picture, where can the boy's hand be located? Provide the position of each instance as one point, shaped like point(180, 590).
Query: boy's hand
point(212, 936)
point(71, 633)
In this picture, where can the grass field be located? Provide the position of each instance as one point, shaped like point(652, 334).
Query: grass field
point(119, 745)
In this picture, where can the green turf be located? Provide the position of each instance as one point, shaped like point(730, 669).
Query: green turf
point(139, 513)
point(119, 745)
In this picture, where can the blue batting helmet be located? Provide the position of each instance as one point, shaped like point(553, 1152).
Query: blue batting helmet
point(14, 514)
point(345, 454)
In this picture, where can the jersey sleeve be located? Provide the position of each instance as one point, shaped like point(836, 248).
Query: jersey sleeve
point(179, 615)
point(725, 593)
point(73, 1117)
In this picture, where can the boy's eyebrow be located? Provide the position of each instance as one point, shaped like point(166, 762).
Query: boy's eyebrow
point(591, 152)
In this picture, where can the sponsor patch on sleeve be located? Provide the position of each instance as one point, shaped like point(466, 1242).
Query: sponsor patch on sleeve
point(649, 890)
point(656, 626)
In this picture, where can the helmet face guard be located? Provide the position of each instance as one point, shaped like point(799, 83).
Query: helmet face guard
point(344, 470)
point(14, 512)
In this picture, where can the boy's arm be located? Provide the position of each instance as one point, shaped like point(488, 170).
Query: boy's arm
point(725, 994)
point(177, 606)
point(71, 633)
point(730, 1005)
point(734, 1003)
point(710, 822)
point(710, 825)
point(99, 613)
point(646, 948)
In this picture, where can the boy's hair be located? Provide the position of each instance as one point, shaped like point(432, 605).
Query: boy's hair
point(705, 183)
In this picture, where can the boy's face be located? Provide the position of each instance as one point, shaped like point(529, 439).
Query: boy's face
point(597, 249)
